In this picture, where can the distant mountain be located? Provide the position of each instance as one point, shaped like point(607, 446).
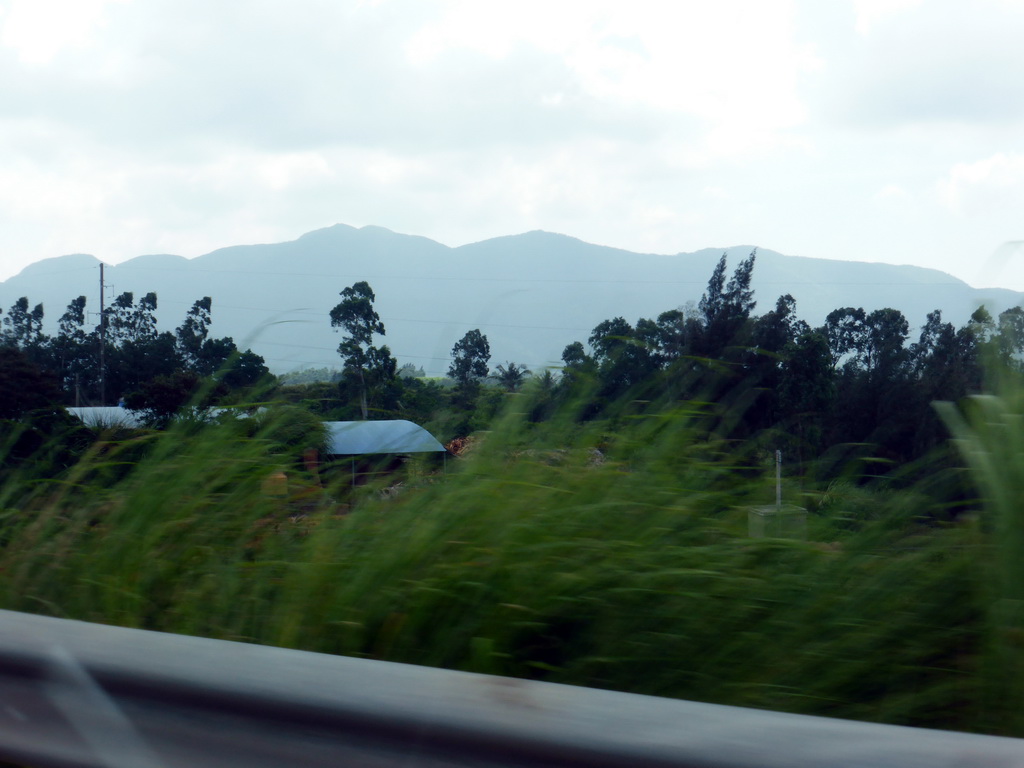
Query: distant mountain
point(531, 294)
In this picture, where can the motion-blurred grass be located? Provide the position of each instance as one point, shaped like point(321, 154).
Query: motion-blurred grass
point(612, 553)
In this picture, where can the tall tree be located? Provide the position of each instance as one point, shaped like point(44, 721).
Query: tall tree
point(772, 336)
point(712, 303)
point(366, 367)
point(725, 308)
point(18, 324)
point(806, 390)
point(1010, 337)
point(846, 335)
point(74, 357)
point(117, 318)
point(143, 320)
point(470, 356)
point(192, 333)
point(72, 321)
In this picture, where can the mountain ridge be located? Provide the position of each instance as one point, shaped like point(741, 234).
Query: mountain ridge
point(531, 293)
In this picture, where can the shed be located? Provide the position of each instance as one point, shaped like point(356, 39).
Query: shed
point(357, 438)
point(362, 438)
point(106, 416)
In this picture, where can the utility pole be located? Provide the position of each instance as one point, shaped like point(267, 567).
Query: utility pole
point(103, 343)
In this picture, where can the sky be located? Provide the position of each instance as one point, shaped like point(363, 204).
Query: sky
point(874, 130)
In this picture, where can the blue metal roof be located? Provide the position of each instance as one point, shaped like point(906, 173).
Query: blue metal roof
point(106, 416)
point(395, 436)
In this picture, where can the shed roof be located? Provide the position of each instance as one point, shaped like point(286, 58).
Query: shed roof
point(106, 416)
point(395, 436)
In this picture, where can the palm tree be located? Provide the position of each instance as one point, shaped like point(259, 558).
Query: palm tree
point(511, 376)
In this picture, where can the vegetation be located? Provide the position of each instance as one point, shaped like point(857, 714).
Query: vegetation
point(596, 533)
point(611, 553)
point(125, 358)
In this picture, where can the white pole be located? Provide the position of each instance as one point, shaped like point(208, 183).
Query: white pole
point(778, 479)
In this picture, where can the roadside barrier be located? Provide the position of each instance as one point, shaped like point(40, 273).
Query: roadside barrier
point(89, 695)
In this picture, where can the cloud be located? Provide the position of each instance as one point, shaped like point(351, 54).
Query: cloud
point(682, 58)
point(986, 186)
point(939, 61)
point(181, 126)
point(892, 192)
point(37, 31)
point(870, 12)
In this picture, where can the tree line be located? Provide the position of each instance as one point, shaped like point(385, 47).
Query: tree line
point(859, 378)
point(124, 358)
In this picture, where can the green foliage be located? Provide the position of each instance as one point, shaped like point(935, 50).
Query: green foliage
point(511, 376)
point(370, 373)
point(725, 308)
point(595, 530)
point(160, 398)
point(22, 327)
point(310, 376)
point(24, 387)
point(988, 433)
point(611, 553)
point(470, 356)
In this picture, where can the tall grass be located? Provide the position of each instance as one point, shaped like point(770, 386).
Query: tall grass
point(989, 432)
point(612, 553)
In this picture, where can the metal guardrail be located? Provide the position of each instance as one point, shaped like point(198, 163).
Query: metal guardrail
point(81, 695)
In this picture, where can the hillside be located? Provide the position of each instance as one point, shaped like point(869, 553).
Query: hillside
point(531, 294)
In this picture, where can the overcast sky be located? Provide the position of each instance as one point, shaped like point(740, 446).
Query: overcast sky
point(879, 130)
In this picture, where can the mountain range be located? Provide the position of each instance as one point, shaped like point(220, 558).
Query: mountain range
point(530, 294)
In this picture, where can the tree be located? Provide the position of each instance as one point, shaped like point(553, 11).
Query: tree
point(30, 398)
point(886, 334)
point(845, 333)
point(712, 303)
point(71, 322)
point(774, 330)
point(875, 386)
point(18, 324)
point(625, 356)
point(806, 389)
point(772, 335)
point(214, 355)
point(198, 352)
point(937, 364)
point(511, 376)
point(675, 332)
point(35, 327)
point(576, 358)
point(117, 318)
point(138, 361)
point(143, 319)
point(24, 387)
point(470, 356)
point(244, 369)
point(368, 370)
point(739, 296)
point(1009, 341)
point(160, 398)
point(726, 307)
point(192, 333)
point(74, 357)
